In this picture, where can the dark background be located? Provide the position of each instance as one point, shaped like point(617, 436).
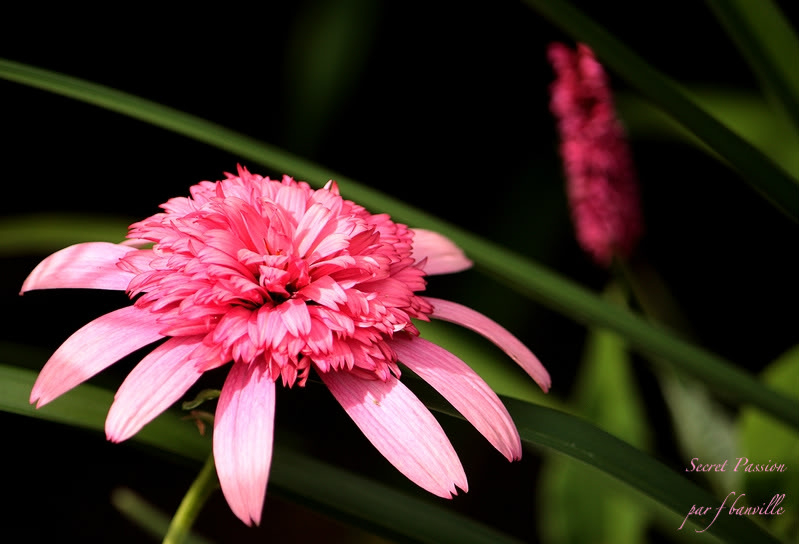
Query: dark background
point(443, 105)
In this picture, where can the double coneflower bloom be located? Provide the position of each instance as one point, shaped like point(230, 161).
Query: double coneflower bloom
point(280, 280)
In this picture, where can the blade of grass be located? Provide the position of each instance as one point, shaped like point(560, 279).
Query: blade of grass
point(770, 46)
point(766, 177)
point(529, 278)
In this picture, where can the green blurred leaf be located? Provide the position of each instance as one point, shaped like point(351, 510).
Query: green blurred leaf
point(741, 111)
point(527, 277)
point(766, 177)
point(46, 232)
point(765, 440)
point(703, 427)
point(146, 516)
point(606, 391)
point(87, 406)
point(770, 46)
point(327, 51)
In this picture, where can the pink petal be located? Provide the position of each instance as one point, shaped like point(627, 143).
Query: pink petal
point(471, 319)
point(464, 389)
point(325, 291)
point(92, 265)
point(295, 316)
point(92, 348)
point(159, 380)
point(443, 256)
point(243, 433)
point(402, 429)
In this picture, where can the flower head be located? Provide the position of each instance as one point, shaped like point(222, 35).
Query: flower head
point(601, 184)
point(279, 280)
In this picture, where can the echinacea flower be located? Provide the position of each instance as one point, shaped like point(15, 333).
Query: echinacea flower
point(601, 184)
point(279, 279)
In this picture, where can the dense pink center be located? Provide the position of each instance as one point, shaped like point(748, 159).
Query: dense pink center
point(276, 273)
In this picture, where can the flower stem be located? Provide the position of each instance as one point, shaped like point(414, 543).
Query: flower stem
point(202, 487)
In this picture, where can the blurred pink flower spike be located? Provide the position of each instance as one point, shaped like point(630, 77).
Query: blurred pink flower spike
point(278, 279)
point(601, 183)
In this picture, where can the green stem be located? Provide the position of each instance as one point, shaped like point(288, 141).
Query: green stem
point(202, 487)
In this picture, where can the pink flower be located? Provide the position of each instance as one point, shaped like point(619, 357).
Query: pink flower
point(601, 184)
point(279, 279)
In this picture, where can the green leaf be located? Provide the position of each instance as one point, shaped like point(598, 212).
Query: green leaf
point(327, 51)
point(741, 111)
point(146, 516)
point(47, 232)
point(767, 441)
point(606, 391)
point(770, 46)
point(87, 406)
point(527, 277)
point(767, 178)
point(702, 426)
point(351, 497)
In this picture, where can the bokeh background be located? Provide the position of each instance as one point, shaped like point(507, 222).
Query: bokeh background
point(441, 104)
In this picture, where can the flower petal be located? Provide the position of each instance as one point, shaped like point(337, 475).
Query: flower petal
point(243, 433)
point(92, 265)
point(464, 389)
point(471, 319)
point(443, 256)
point(93, 347)
point(153, 385)
point(402, 429)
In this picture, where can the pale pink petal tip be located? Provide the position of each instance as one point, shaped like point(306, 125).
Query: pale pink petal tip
point(443, 256)
point(92, 348)
point(91, 265)
point(401, 428)
point(156, 383)
point(496, 333)
point(464, 389)
point(243, 439)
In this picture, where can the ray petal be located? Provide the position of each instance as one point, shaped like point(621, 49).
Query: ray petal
point(243, 433)
point(92, 265)
point(95, 346)
point(471, 319)
point(464, 389)
point(443, 256)
point(159, 380)
point(402, 429)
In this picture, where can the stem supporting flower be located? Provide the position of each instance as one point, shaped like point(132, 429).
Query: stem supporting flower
point(195, 498)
